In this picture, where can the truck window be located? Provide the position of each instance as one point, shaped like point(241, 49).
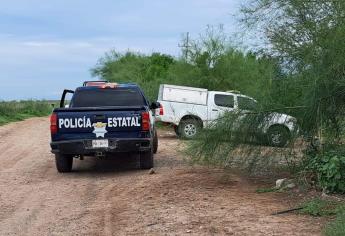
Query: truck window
point(224, 100)
point(246, 104)
point(108, 97)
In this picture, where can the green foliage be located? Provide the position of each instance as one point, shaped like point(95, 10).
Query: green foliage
point(15, 111)
point(212, 63)
point(329, 167)
point(213, 146)
point(306, 62)
point(147, 71)
point(336, 227)
point(206, 51)
point(308, 38)
point(233, 70)
point(215, 64)
point(320, 207)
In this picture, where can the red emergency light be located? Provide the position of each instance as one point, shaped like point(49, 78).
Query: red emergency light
point(109, 85)
point(94, 83)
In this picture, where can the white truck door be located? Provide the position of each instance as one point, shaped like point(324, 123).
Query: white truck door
point(219, 103)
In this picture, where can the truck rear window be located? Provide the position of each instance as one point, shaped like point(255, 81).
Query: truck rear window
point(107, 98)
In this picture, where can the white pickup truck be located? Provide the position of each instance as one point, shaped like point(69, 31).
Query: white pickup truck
point(190, 109)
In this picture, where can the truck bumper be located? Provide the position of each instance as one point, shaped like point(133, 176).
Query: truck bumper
point(84, 147)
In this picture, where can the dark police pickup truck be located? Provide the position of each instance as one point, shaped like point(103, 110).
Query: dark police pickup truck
point(102, 119)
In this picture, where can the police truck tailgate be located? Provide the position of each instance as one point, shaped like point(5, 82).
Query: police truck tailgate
point(97, 123)
point(97, 128)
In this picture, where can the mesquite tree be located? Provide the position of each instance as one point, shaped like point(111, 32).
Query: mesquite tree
point(308, 38)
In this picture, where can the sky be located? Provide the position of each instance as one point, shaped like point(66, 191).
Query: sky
point(49, 45)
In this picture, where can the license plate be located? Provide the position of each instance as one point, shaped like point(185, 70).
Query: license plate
point(102, 143)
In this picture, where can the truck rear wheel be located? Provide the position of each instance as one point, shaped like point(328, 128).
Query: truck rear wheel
point(63, 163)
point(278, 136)
point(155, 142)
point(146, 159)
point(188, 129)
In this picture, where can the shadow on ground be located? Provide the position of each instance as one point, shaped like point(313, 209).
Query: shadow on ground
point(121, 162)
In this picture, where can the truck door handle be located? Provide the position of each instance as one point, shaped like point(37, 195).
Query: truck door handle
point(215, 110)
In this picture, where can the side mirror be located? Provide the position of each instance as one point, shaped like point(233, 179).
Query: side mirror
point(155, 105)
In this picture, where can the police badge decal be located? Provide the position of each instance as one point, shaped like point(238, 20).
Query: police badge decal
point(99, 129)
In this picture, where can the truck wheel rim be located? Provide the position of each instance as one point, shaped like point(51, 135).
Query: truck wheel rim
point(276, 137)
point(190, 130)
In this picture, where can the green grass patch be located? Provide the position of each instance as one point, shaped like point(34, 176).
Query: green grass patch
point(336, 227)
point(20, 110)
point(319, 207)
point(266, 190)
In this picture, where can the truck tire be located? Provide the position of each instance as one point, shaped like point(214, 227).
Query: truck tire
point(278, 136)
point(146, 159)
point(155, 142)
point(176, 130)
point(63, 163)
point(189, 128)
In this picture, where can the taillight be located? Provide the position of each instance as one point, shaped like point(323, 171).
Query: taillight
point(145, 121)
point(53, 124)
point(161, 110)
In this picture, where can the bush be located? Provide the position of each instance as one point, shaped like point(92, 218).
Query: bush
point(329, 168)
point(319, 207)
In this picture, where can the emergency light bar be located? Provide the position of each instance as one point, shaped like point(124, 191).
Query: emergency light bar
point(109, 85)
point(100, 84)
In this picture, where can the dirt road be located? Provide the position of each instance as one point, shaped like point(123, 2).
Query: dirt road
point(101, 198)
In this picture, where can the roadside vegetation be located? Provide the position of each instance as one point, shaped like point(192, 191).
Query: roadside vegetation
point(211, 62)
point(327, 208)
point(20, 110)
